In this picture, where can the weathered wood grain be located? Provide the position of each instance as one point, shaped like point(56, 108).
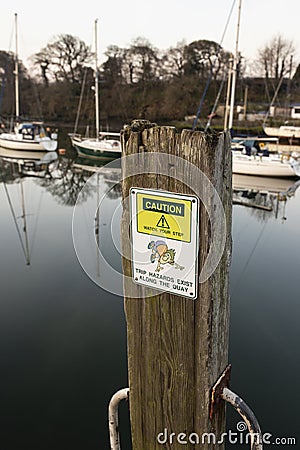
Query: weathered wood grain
point(177, 347)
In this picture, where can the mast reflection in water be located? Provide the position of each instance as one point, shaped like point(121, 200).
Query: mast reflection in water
point(63, 339)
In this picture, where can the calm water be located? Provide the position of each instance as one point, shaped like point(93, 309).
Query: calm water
point(63, 338)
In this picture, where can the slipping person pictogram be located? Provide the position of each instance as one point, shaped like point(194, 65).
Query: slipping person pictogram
point(163, 255)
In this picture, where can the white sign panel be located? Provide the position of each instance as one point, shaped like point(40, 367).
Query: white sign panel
point(164, 238)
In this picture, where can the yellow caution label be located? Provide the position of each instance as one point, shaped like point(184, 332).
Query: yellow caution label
point(161, 215)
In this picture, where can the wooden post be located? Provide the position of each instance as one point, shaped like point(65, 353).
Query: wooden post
point(177, 347)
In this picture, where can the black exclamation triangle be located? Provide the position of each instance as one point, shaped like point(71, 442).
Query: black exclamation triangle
point(162, 223)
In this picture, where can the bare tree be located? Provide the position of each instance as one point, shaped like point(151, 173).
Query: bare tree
point(112, 67)
point(173, 61)
point(63, 59)
point(143, 61)
point(274, 60)
point(41, 61)
point(205, 58)
point(7, 85)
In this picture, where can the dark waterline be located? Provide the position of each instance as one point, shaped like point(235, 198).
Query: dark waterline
point(63, 338)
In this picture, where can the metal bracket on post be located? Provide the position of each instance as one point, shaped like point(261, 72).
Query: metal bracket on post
point(220, 391)
point(113, 418)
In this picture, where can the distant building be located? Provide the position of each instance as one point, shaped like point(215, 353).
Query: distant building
point(295, 111)
point(256, 116)
point(277, 111)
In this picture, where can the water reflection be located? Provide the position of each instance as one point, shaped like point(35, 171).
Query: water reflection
point(14, 165)
point(58, 371)
point(110, 172)
point(63, 339)
point(26, 163)
point(64, 179)
point(264, 325)
point(266, 196)
point(96, 225)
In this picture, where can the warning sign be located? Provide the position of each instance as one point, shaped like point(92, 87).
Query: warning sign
point(164, 234)
point(161, 215)
point(162, 223)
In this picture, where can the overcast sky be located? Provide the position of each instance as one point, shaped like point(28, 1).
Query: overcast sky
point(163, 22)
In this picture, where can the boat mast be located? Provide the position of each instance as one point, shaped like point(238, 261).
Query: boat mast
point(96, 82)
point(227, 106)
point(17, 69)
point(235, 65)
point(272, 102)
point(26, 252)
point(25, 247)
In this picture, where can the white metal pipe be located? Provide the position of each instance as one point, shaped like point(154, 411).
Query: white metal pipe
point(248, 416)
point(113, 417)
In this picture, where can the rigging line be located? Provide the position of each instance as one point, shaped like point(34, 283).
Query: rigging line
point(38, 102)
point(202, 100)
point(80, 101)
point(242, 229)
point(273, 100)
point(14, 216)
point(36, 224)
point(122, 102)
point(250, 256)
point(215, 104)
point(211, 71)
point(90, 243)
point(227, 23)
point(25, 225)
point(97, 227)
point(223, 80)
point(11, 36)
point(4, 82)
point(88, 111)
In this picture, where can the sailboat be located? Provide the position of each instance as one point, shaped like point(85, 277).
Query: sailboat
point(26, 136)
point(251, 160)
point(105, 144)
point(288, 136)
point(267, 166)
point(33, 164)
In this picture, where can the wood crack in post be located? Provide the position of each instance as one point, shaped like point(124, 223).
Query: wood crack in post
point(177, 346)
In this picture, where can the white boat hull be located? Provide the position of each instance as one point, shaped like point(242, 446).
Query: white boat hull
point(26, 135)
point(16, 142)
point(91, 148)
point(18, 155)
point(284, 148)
point(264, 166)
point(262, 184)
point(283, 131)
